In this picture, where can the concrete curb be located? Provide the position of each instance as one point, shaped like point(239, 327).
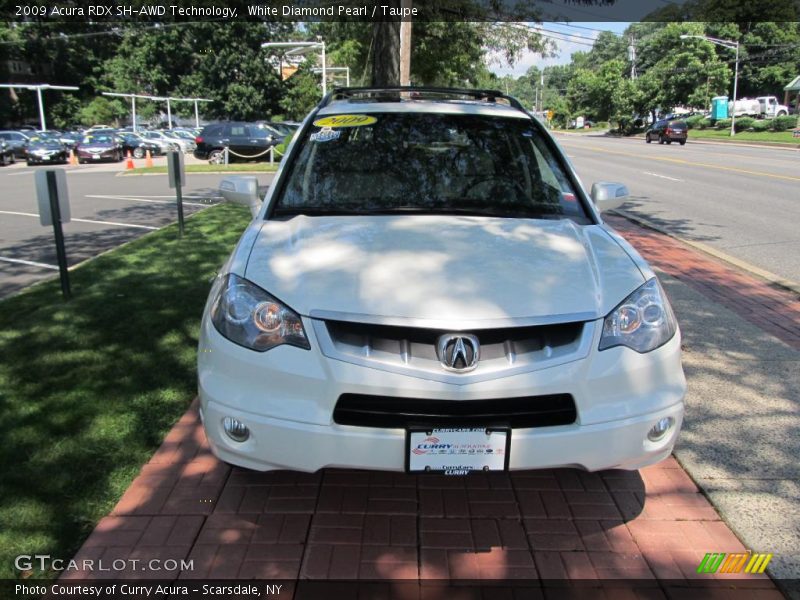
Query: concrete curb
point(712, 142)
point(706, 249)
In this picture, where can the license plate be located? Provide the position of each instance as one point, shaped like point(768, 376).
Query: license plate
point(45, 158)
point(96, 156)
point(457, 451)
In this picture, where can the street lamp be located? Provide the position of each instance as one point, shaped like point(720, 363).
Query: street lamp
point(731, 45)
point(38, 89)
point(300, 48)
point(346, 71)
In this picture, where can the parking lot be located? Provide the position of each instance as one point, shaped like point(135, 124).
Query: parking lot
point(108, 208)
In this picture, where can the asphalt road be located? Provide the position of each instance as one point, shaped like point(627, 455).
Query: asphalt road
point(107, 210)
point(743, 201)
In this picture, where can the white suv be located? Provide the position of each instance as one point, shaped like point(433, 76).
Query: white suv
point(427, 287)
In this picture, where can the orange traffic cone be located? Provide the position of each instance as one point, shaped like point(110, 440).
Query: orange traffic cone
point(129, 163)
point(73, 158)
point(148, 161)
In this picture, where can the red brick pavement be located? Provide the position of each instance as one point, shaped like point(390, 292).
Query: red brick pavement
point(774, 310)
point(651, 525)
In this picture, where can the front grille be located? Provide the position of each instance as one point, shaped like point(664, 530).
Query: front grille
point(392, 412)
point(500, 349)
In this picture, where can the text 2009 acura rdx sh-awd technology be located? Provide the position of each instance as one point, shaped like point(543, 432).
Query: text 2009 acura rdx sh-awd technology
point(427, 287)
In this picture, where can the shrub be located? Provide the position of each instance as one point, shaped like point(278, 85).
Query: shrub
point(760, 126)
point(705, 123)
point(694, 121)
point(723, 124)
point(744, 123)
point(784, 123)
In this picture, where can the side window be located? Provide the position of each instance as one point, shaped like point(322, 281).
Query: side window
point(238, 131)
point(213, 130)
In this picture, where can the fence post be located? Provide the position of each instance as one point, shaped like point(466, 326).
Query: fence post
point(226, 155)
point(272, 155)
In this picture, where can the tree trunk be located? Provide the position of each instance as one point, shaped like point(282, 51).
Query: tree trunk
point(386, 51)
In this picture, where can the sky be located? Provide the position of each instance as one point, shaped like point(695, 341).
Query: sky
point(574, 37)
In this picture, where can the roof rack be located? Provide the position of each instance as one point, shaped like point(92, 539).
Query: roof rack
point(487, 95)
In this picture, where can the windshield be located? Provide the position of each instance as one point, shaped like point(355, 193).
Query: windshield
point(98, 139)
point(428, 163)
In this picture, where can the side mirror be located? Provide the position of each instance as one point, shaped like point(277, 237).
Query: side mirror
point(241, 190)
point(608, 196)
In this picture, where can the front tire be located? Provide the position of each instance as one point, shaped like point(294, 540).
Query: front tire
point(647, 138)
point(683, 142)
point(138, 152)
point(216, 157)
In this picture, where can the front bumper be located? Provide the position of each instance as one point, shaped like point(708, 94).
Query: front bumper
point(287, 395)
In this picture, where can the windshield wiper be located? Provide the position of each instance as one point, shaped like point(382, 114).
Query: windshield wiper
point(315, 211)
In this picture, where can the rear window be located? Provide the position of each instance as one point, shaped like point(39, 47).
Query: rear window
point(424, 162)
point(677, 125)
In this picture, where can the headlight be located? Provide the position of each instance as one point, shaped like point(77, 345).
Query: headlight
point(643, 321)
point(250, 317)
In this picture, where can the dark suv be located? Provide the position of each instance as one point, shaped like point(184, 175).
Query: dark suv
point(245, 141)
point(667, 131)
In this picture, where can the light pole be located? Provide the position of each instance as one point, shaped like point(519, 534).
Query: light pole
point(38, 89)
point(300, 48)
point(337, 69)
point(731, 45)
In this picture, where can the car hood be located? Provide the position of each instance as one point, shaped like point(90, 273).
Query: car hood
point(46, 146)
point(445, 269)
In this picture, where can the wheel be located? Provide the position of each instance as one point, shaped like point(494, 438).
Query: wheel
point(647, 138)
point(683, 142)
point(216, 157)
point(660, 139)
point(30, 164)
point(669, 142)
point(138, 152)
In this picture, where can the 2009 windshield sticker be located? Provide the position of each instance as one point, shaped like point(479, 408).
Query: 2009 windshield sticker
point(345, 121)
point(326, 134)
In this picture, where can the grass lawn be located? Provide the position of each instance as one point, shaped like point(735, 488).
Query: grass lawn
point(89, 387)
point(744, 136)
point(233, 168)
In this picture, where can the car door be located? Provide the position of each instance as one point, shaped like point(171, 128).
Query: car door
point(237, 138)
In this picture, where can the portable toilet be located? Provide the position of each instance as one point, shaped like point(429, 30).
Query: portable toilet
point(719, 107)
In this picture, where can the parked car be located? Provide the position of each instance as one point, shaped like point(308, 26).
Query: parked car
point(185, 142)
point(166, 143)
point(246, 141)
point(99, 145)
point(666, 131)
point(137, 145)
point(17, 141)
point(427, 287)
point(6, 153)
point(46, 149)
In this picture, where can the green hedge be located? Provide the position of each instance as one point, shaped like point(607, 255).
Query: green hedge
point(694, 121)
point(783, 123)
point(760, 125)
point(744, 123)
point(723, 124)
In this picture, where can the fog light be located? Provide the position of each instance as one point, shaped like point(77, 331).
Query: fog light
point(660, 429)
point(235, 429)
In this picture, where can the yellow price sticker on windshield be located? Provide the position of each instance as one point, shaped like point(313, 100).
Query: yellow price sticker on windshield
point(345, 121)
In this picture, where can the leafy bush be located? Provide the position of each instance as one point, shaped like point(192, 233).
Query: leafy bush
point(784, 123)
point(723, 124)
point(694, 121)
point(760, 125)
point(744, 123)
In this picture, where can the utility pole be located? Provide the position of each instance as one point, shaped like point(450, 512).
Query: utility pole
point(405, 45)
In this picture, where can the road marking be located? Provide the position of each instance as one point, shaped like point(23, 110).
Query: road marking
point(149, 201)
point(115, 223)
point(661, 176)
point(695, 164)
point(30, 263)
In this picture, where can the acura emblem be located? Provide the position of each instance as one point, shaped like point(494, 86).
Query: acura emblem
point(458, 352)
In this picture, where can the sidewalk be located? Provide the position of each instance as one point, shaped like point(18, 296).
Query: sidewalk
point(653, 526)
